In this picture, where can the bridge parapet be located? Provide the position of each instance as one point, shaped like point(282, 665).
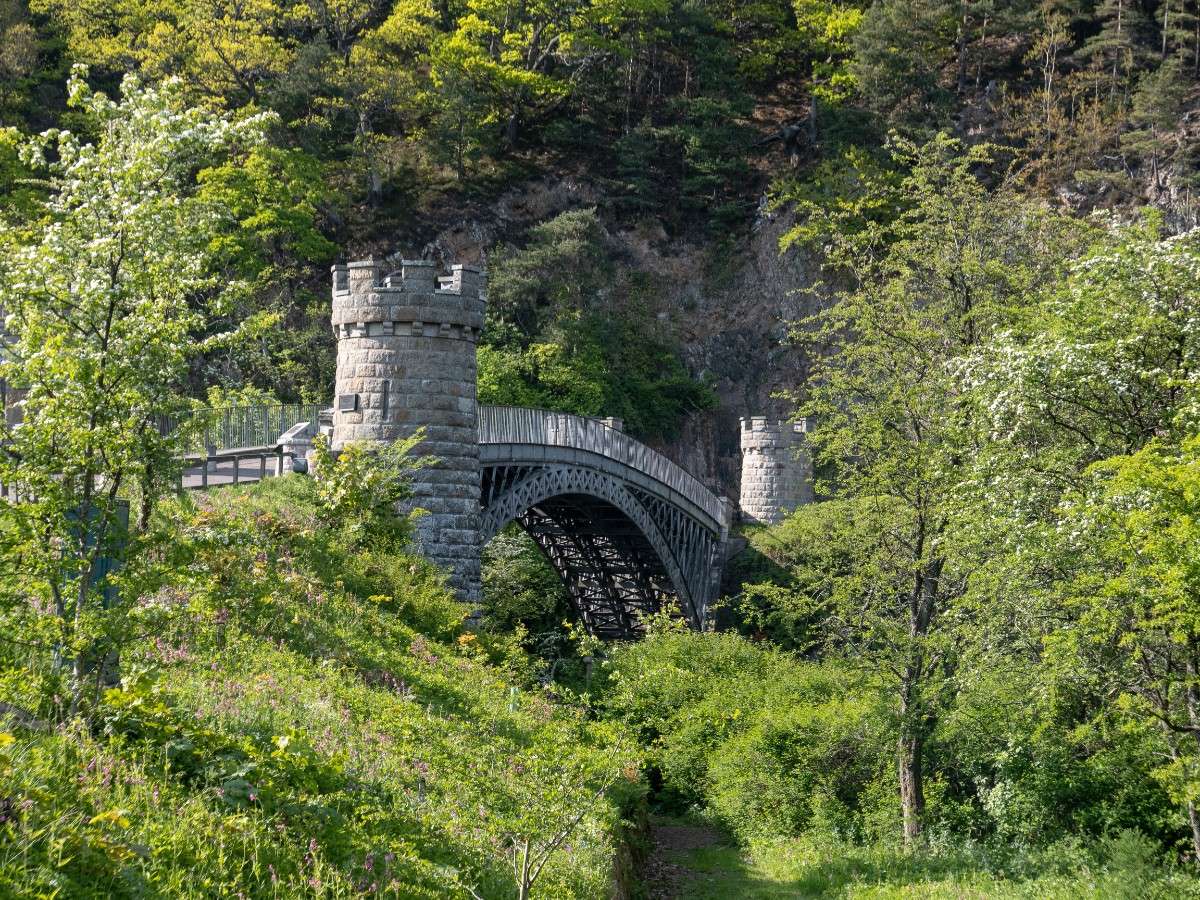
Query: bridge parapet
point(520, 425)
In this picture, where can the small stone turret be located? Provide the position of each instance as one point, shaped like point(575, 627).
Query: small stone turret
point(776, 469)
point(406, 359)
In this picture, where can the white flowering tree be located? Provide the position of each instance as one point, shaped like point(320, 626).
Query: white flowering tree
point(1089, 479)
point(102, 292)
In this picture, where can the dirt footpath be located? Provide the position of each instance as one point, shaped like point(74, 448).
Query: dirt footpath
point(664, 878)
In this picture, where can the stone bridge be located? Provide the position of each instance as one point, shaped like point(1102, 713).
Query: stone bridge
point(624, 526)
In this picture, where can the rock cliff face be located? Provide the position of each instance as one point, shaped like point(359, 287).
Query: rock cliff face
point(729, 305)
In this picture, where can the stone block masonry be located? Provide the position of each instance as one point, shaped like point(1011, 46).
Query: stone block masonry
point(776, 469)
point(405, 360)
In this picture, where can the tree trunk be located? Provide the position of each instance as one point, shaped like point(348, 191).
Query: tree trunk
point(1192, 814)
point(960, 49)
point(1194, 822)
point(79, 669)
point(146, 502)
point(523, 879)
point(912, 785)
point(1192, 700)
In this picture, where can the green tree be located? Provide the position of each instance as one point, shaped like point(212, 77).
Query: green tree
point(277, 199)
point(827, 32)
point(565, 334)
point(226, 54)
point(1158, 105)
point(503, 60)
point(894, 426)
point(1120, 45)
point(899, 52)
point(523, 593)
point(19, 58)
point(100, 324)
point(1088, 564)
point(1134, 602)
point(373, 79)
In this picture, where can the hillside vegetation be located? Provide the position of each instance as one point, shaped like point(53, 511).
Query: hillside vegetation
point(298, 717)
point(971, 668)
point(429, 129)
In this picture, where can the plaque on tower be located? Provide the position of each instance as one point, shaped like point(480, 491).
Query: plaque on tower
point(347, 402)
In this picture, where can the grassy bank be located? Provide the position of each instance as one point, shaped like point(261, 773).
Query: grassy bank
point(1125, 866)
point(299, 717)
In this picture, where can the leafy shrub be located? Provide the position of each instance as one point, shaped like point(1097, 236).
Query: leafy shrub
point(359, 487)
point(768, 742)
point(804, 761)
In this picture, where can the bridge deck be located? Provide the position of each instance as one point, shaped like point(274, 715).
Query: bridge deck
point(520, 425)
point(240, 465)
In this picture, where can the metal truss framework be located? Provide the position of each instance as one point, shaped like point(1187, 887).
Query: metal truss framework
point(621, 549)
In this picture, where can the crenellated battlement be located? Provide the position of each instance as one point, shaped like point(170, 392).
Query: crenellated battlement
point(413, 300)
point(415, 276)
point(776, 468)
point(761, 433)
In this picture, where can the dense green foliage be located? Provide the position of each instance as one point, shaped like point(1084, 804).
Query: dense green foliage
point(298, 716)
point(390, 113)
point(976, 663)
point(797, 759)
point(1005, 416)
point(561, 335)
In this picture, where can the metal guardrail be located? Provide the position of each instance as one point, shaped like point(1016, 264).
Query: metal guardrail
point(256, 430)
point(520, 425)
point(228, 428)
point(204, 470)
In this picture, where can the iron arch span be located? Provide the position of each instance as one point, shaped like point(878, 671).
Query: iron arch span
point(624, 527)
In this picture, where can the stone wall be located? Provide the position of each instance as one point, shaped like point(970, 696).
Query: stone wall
point(406, 360)
point(776, 469)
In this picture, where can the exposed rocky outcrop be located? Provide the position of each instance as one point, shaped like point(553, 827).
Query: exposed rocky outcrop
point(731, 305)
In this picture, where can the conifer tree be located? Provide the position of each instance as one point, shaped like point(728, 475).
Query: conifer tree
point(1157, 106)
point(1177, 21)
point(1123, 41)
point(899, 51)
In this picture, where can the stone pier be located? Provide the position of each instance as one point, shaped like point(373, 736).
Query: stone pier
point(776, 469)
point(406, 344)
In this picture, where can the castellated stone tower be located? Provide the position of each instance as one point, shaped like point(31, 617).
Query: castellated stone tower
point(776, 469)
point(406, 359)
